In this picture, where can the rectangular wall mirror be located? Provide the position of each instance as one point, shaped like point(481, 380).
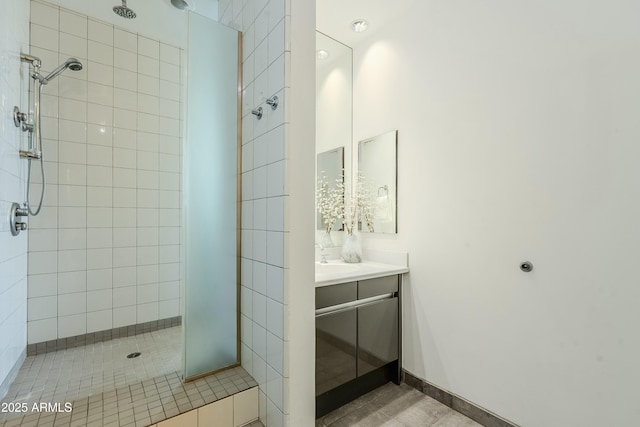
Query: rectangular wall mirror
point(378, 164)
point(334, 117)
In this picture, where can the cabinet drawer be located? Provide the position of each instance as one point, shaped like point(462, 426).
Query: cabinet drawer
point(327, 296)
point(378, 286)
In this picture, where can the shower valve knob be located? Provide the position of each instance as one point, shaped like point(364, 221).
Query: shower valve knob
point(257, 112)
point(19, 119)
point(14, 225)
point(273, 101)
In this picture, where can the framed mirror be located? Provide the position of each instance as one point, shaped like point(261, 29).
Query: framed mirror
point(378, 165)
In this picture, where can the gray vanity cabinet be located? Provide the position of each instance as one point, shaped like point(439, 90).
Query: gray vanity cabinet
point(357, 339)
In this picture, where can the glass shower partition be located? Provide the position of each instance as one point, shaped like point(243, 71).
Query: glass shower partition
point(211, 202)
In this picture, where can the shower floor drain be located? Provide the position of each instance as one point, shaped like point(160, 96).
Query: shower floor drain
point(133, 355)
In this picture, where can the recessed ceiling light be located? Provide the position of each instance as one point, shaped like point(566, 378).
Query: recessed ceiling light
point(359, 25)
point(322, 54)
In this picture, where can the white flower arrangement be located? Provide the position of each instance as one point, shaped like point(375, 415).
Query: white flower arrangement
point(360, 207)
point(336, 203)
point(330, 200)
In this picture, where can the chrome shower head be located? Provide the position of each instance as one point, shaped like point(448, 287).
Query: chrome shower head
point(124, 11)
point(72, 63)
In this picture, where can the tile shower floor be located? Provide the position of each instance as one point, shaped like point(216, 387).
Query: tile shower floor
point(81, 371)
point(395, 406)
point(106, 388)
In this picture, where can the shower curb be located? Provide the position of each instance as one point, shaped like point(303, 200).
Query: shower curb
point(458, 404)
point(101, 336)
point(152, 401)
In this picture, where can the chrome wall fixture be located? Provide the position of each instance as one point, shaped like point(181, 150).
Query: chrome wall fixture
point(526, 266)
point(124, 11)
point(273, 101)
point(257, 112)
point(31, 123)
point(14, 225)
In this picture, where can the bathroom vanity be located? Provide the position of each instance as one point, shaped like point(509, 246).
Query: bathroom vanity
point(358, 330)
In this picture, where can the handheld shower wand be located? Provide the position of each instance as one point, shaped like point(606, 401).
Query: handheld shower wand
point(72, 63)
point(35, 129)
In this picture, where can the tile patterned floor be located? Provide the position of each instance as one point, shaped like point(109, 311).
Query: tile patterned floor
point(395, 406)
point(140, 404)
point(107, 389)
point(78, 372)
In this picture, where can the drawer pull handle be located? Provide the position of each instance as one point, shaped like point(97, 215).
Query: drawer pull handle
point(353, 304)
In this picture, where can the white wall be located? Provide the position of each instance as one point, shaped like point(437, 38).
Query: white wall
point(104, 251)
point(299, 250)
point(518, 140)
point(14, 38)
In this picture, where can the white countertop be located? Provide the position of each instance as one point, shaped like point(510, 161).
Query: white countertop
point(337, 271)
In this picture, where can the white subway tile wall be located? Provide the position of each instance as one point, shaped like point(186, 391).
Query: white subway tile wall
point(14, 38)
point(265, 55)
point(105, 250)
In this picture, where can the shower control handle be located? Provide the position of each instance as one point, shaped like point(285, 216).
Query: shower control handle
point(14, 213)
point(20, 119)
point(257, 112)
point(273, 101)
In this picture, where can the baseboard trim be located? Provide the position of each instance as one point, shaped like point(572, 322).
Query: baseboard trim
point(458, 404)
point(13, 373)
point(109, 334)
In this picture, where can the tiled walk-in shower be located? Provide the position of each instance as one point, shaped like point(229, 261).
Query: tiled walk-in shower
point(106, 388)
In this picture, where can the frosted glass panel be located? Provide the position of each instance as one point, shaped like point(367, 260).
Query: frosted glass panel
point(211, 202)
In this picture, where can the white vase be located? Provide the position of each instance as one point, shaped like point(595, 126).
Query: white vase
point(326, 240)
point(352, 251)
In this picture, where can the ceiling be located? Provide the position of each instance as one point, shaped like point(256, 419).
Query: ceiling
point(334, 17)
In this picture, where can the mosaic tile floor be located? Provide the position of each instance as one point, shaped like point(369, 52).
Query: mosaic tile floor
point(105, 388)
point(140, 404)
point(82, 371)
